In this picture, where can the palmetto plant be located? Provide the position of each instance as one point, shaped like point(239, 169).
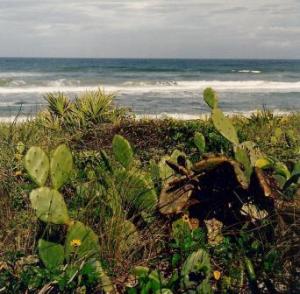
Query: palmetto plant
point(58, 104)
point(94, 107)
point(88, 109)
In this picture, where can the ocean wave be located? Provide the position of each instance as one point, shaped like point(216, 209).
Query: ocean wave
point(259, 86)
point(16, 74)
point(62, 83)
point(149, 83)
point(247, 71)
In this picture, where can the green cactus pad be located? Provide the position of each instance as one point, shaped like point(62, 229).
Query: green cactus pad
point(164, 170)
point(197, 262)
point(241, 155)
point(61, 166)
point(122, 151)
point(199, 141)
point(210, 97)
point(37, 165)
point(52, 254)
point(49, 205)
point(224, 126)
point(81, 241)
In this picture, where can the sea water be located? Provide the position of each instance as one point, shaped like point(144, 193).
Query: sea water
point(152, 86)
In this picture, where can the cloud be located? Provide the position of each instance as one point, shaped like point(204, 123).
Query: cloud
point(156, 28)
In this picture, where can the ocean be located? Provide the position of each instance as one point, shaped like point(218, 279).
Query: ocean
point(153, 86)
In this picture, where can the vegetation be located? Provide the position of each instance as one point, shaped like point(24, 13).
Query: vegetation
point(94, 201)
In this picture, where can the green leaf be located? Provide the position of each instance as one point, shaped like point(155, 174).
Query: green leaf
point(199, 141)
point(205, 288)
point(49, 205)
point(164, 291)
point(197, 262)
point(210, 97)
point(52, 254)
point(242, 157)
point(224, 126)
point(122, 151)
point(37, 165)
point(81, 241)
point(164, 170)
point(137, 191)
point(141, 271)
point(61, 166)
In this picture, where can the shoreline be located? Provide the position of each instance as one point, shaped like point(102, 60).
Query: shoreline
point(162, 116)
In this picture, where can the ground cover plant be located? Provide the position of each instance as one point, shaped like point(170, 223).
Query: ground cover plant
point(94, 201)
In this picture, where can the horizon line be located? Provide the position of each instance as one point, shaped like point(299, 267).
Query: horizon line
point(148, 58)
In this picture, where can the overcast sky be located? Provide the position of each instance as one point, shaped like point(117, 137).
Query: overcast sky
point(154, 28)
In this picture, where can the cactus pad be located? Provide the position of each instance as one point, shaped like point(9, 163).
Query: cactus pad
point(61, 166)
point(165, 170)
point(241, 155)
point(52, 254)
point(198, 262)
point(199, 141)
point(224, 126)
point(49, 205)
point(122, 151)
point(81, 241)
point(210, 97)
point(37, 165)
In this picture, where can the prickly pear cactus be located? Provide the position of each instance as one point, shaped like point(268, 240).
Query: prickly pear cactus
point(81, 241)
point(37, 165)
point(198, 263)
point(52, 254)
point(122, 151)
point(224, 126)
point(199, 141)
point(49, 205)
point(164, 169)
point(61, 166)
point(241, 155)
point(210, 97)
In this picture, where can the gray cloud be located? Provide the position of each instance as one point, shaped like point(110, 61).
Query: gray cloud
point(153, 28)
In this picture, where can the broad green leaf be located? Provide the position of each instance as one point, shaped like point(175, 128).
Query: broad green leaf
point(122, 151)
point(49, 205)
point(52, 254)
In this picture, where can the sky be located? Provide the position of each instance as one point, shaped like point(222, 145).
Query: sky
point(150, 29)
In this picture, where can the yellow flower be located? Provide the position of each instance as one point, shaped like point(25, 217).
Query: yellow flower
point(217, 275)
point(185, 218)
point(75, 243)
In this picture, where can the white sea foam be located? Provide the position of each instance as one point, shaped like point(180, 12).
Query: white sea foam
point(255, 86)
point(249, 71)
point(15, 74)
